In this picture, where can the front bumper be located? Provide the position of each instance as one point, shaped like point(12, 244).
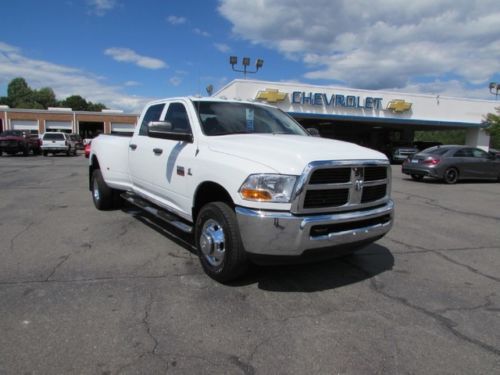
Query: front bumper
point(285, 234)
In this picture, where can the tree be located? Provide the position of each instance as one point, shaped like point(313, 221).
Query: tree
point(19, 92)
point(75, 102)
point(45, 97)
point(493, 128)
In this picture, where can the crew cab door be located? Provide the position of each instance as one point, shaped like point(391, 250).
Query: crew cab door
point(159, 167)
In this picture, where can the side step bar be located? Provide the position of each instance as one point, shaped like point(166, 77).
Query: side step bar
point(157, 212)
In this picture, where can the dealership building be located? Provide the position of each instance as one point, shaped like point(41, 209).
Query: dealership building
point(87, 124)
point(377, 119)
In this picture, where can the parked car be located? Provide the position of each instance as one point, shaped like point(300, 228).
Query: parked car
point(15, 141)
point(452, 163)
point(77, 139)
point(495, 153)
point(58, 142)
point(400, 154)
point(86, 149)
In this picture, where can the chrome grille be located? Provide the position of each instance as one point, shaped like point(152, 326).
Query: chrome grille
point(330, 186)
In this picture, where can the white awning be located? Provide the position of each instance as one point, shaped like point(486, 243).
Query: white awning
point(122, 127)
point(24, 124)
point(59, 125)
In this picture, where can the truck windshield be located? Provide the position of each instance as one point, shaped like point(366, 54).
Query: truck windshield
point(224, 118)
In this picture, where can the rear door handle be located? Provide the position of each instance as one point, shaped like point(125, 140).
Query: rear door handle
point(157, 151)
point(132, 146)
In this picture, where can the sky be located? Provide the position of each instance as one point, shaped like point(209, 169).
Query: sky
point(124, 53)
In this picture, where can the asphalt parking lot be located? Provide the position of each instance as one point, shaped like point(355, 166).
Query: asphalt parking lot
point(90, 292)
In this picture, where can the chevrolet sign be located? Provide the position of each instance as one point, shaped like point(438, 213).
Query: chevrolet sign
point(399, 106)
point(271, 95)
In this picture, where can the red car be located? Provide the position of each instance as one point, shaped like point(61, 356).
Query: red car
point(86, 149)
point(14, 141)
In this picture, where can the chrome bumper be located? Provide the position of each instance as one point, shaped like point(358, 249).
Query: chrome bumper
point(284, 234)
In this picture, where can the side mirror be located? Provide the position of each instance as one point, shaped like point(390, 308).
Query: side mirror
point(164, 130)
point(314, 132)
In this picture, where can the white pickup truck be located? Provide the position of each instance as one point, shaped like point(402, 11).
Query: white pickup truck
point(247, 181)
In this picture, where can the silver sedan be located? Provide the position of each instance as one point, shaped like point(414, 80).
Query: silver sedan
point(452, 163)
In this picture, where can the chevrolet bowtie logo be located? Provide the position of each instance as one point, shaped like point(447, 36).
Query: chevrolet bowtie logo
point(271, 95)
point(399, 106)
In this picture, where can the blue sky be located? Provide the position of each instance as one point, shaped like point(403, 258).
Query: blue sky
point(124, 53)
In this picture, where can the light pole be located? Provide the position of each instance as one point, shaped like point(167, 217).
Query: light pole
point(233, 60)
point(495, 86)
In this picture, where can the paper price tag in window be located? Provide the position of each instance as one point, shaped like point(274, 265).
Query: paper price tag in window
point(249, 120)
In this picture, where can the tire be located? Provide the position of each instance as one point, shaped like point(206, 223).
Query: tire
point(102, 194)
point(45, 153)
point(26, 151)
point(218, 243)
point(450, 175)
point(74, 152)
point(68, 151)
point(417, 177)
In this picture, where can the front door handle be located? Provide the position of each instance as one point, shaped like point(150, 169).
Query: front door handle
point(157, 151)
point(132, 146)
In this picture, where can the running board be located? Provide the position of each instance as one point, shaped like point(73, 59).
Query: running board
point(157, 212)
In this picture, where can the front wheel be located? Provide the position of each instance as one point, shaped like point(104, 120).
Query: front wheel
point(219, 244)
point(450, 175)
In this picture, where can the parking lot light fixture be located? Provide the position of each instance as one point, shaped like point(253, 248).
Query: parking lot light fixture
point(233, 60)
point(495, 88)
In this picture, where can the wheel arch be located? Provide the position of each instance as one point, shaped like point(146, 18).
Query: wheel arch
point(94, 164)
point(207, 192)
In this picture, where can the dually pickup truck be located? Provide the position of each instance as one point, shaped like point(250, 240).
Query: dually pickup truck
point(247, 181)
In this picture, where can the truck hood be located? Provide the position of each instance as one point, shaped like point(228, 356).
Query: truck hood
point(289, 154)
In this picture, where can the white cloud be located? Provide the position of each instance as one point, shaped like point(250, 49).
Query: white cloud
point(64, 80)
point(377, 43)
point(176, 20)
point(201, 32)
point(101, 7)
point(175, 81)
point(128, 55)
point(221, 47)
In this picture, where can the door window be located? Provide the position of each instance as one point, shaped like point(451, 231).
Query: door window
point(178, 117)
point(152, 114)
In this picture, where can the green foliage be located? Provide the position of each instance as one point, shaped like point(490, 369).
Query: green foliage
point(45, 97)
point(19, 92)
point(20, 95)
point(446, 137)
point(493, 129)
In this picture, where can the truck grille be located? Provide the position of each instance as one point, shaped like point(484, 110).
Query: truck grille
point(342, 186)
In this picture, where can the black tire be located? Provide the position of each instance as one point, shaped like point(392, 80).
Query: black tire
point(26, 151)
point(216, 228)
point(450, 175)
point(102, 194)
point(68, 151)
point(417, 177)
point(45, 153)
point(74, 152)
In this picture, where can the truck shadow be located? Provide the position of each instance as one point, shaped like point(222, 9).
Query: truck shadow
point(305, 277)
point(323, 275)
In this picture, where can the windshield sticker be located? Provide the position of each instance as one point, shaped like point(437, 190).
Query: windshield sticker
point(249, 118)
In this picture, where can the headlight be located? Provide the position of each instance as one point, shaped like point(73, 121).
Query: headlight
point(274, 188)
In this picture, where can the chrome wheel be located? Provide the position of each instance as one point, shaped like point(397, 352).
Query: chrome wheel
point(213, 242)
point(95, 190)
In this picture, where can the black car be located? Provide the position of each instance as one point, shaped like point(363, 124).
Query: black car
point(452, 163)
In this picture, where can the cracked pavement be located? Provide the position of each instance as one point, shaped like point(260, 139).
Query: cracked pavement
point(89, 292)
